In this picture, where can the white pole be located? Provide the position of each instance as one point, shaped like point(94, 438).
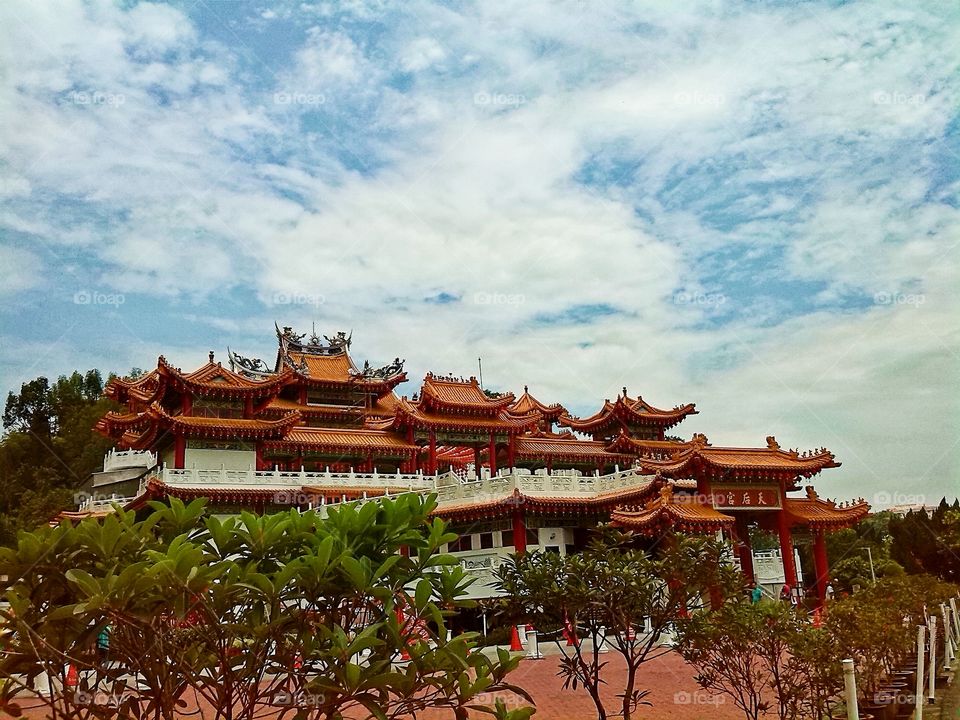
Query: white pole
point(956, 622)
point(602, 640)
point(947, 639)
point(918, 697)
point(850, 690)
point(484, 623)
point(533, 645)
point(931, 695)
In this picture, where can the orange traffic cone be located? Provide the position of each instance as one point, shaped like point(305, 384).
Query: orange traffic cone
point(515, 645)
point(73, 678)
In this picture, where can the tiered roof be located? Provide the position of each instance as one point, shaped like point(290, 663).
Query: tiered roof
point(329, 364)
point(215, 381)
point(684, 512)
point(345, 440)
point(565, 447)
point(626, 413)
point(457, 405)
point(699, 457)
point(819, 514)
point(527, 403)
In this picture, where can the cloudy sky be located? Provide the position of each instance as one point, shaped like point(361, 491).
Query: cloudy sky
point(750, 206)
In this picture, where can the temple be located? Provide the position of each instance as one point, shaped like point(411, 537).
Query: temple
point(512, 473)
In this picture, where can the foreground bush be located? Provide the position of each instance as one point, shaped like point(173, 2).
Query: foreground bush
point(305, 616)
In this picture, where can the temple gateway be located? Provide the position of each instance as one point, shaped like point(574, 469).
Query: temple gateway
point(512, 473)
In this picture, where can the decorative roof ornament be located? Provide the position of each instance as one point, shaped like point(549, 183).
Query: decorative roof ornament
point(772, 443)
point(250, 367)
point(390, 370)
point(340, 340)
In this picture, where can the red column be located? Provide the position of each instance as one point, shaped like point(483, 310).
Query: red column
point(786, 549)
point(512, 452)
point(519, 531)
point(248, 407)
point(744, 550)
point(187, 406)
point(493, 455)
point(303, 394)
point(549, 464)
point(179, 451)
point(821, 564)
point(432, 466)
point(476, 460)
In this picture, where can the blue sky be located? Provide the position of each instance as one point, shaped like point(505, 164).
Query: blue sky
point(751, 206)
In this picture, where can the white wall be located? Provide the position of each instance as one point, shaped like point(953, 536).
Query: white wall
point(213, 459)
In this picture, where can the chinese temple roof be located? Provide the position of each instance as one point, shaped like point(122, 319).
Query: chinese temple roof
point(819, 514)
point(340, 439)
point(567, 448)
point(226, 428)
point(143, 389)
point(495, 505)
point(410, 414)
point(329, 363)
point(672, 511)
point(699, 454)
point(457, 395)
point(527, 403)
point(627, 411)
point(214, 380)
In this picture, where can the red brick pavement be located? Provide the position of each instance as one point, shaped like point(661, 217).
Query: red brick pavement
point(673, 692)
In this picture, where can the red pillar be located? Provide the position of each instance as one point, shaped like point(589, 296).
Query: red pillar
point(493, 455)
point(179, 451)
point(512, 452)
point(432, 466)
point(476, 460)
point(248, 407)
point(821, 564)
point(187, 405)
point(519, 531)
point(744, 550)
point(549, 464)
point(786, 549)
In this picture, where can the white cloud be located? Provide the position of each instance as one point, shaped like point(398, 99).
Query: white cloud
point(818, 128)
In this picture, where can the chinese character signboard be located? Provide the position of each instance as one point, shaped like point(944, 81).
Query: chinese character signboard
point(746, 497)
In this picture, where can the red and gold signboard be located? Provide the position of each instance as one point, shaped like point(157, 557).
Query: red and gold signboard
point(746, 497)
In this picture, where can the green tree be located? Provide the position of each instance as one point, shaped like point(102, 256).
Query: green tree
point(615, 593)
point(292, 613)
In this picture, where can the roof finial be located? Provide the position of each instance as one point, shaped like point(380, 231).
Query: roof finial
point(526, 389)
point(624, 391)
point(210, 355)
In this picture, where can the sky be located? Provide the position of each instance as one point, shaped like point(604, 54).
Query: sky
point(750, 206)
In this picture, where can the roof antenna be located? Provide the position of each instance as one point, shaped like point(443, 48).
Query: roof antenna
point(480, 368)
